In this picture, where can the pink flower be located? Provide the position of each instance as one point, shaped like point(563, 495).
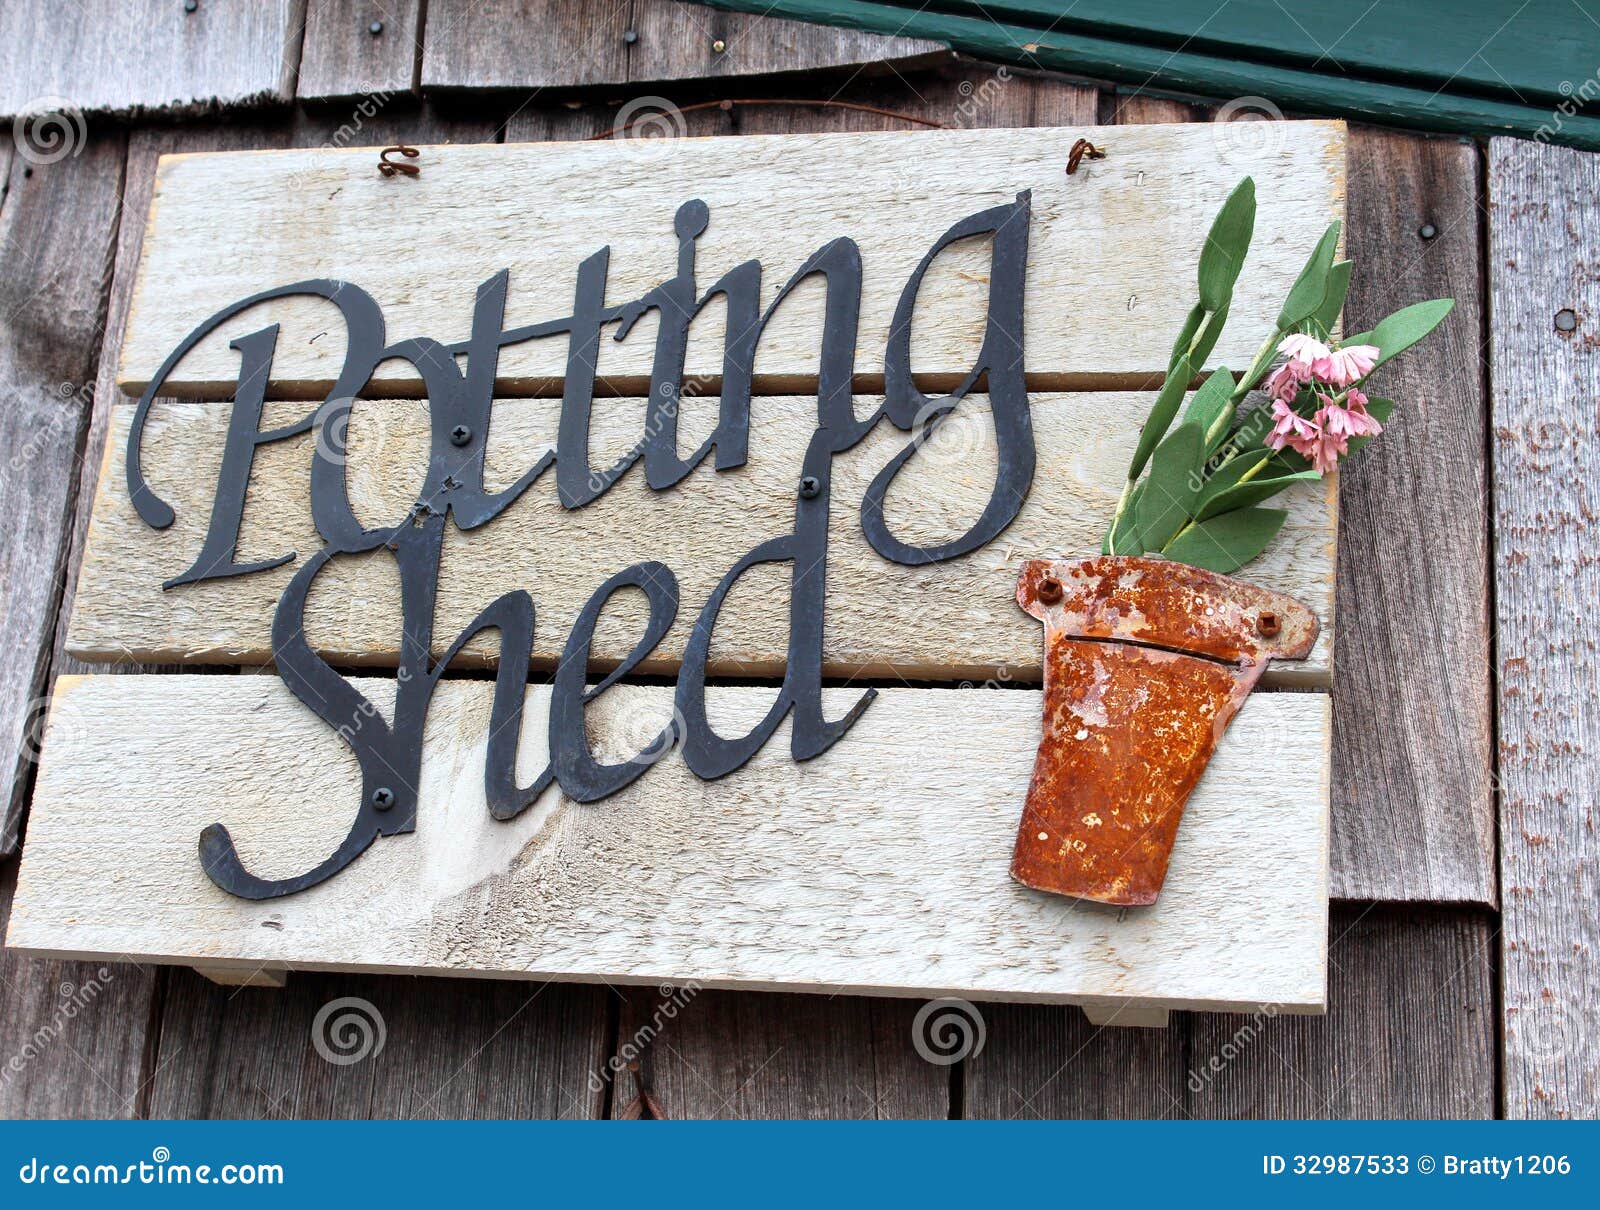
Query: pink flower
point(1304, 349)
point(1310, 439)
point(1326, 451)
point(1350, 420)
point(1343, 366)
point(1286, 380)
point(1292, 429)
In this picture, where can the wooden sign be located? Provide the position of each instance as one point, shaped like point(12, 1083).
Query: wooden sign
point(775, 419)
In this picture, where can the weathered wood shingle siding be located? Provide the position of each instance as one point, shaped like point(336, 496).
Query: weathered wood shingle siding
point(1412, 1026)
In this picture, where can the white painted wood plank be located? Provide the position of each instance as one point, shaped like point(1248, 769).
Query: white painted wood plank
point(879, 867)
point(134, 56)
point(1111, 262)
point(949, 621)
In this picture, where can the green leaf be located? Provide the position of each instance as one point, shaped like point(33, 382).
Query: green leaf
point(1334, 295)
point(1191, 325)
point(1228, 542)
point(1207, 339)
point(1309, 289)
point(1209, 404)
point(1161, 413)
point(1404, 328)
point(1252, 491)
point(1168, 495)
point(1287, 462)
point(1226, 244)
point(1226, 475)
point(1124, 538)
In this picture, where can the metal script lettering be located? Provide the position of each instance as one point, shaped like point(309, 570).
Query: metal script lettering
point(460, 401)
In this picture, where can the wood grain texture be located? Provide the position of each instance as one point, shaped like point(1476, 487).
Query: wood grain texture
point(964, 95)
point(472, 1049)
point(755, 1055)
point(1544, 228)
point(341, 58)
point(752, 1054)
point(677, 41)
point(145, 147)
point(1119, 108)
point(74, 1036)
point(1409, 1033)
point(878, 867)
point(949, 621)
point(534, 209)
point(1413, 759)
point(524, 44)
point(58, 227)
point(137, 56)
point(548, 44)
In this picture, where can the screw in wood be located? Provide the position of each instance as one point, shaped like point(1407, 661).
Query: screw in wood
point(1268, 624)
point(1049, 591)
point(375, 28)
point(630, 36)
point(1566, 320)
point(719, 46)
point(1427, 231)
point(189, 6)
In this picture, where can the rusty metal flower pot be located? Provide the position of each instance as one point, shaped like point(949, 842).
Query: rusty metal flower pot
point(1146, 663)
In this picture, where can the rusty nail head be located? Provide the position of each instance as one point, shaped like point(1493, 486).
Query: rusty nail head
point(1049, 590)
point(1268, 624)
point(1566, 320)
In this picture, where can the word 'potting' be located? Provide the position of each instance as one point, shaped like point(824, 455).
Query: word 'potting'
point(460, 400)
